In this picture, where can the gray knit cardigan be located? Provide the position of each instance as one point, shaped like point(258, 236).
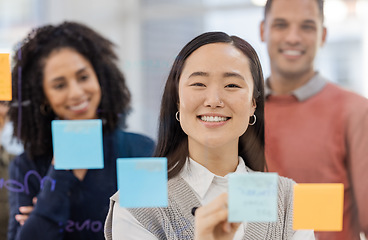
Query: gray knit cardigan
point(176, 222)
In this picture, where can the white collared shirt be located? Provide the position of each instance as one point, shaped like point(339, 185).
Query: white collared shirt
point(206, 186)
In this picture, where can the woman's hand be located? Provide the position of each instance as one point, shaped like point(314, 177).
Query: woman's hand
point(25, 211)
point(211, 221)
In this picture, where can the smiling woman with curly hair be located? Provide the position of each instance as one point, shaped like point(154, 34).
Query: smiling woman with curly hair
point(66, 72)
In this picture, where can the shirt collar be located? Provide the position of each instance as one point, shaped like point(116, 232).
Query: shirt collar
point(200, 178)
point(311, 88)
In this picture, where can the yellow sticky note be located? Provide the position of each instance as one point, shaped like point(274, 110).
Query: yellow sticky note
point(5, 78)
point(318, 206)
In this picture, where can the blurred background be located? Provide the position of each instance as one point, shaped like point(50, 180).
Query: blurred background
point(150, 33)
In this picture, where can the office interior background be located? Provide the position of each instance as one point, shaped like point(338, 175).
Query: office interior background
point(149, 34)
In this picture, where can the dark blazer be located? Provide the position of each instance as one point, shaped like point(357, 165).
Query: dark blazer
point(66, 207)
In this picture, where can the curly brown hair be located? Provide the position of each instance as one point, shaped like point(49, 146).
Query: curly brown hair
point(31, 123)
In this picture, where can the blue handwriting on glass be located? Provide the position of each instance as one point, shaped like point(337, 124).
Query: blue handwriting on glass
point(94, 226)
point(16, 186)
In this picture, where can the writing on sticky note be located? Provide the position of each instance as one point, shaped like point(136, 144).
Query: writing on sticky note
point(253, 197)
point(318, 206)
point(142, 182)
point(5, 78)
point(77, 144)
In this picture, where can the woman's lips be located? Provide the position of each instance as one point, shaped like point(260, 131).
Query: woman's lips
point(80, 107)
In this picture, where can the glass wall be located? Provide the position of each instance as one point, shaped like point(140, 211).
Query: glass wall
point(150, 33)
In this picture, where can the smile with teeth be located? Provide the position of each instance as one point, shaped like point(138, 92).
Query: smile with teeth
point(213, 118)
point(292, 52)
point(79, 106)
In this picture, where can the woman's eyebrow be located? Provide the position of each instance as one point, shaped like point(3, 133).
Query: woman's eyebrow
point(61, 78)
point(233, 74)
point(225, 75)
point(81, 70)
point(57, 79)
point(201, 74)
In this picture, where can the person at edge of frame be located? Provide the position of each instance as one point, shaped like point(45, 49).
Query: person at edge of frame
point(315, 131)
point(68, 72)
point(8, 149)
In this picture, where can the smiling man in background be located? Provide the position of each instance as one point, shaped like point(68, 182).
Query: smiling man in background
point(316, 132)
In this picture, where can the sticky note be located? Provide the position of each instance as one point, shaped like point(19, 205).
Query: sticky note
point(5, 78)
point(142, 182)
point(253, 197)
point(77, 144)
point(318, 206)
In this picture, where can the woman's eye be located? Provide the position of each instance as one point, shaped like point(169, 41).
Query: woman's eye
point(83, 77)
point(197, 85)
point(232, 86)
point(59, 86)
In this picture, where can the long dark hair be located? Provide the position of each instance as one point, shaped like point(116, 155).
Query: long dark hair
point(173, 142)
point(34, 124)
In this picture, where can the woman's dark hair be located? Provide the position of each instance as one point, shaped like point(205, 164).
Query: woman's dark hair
point(173, 142)
point(34, 124)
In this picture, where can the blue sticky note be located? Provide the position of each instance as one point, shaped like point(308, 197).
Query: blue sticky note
point(77, 144)
point(142, 182)
point(253, 197)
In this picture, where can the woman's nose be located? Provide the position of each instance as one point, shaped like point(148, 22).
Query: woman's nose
point(213, 98)
point(75, 90)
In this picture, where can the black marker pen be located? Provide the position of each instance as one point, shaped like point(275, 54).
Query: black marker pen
point(194, 210)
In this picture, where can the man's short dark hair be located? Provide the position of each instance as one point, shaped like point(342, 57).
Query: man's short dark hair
point(320, 4)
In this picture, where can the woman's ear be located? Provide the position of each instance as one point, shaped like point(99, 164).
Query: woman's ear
point(254, 105)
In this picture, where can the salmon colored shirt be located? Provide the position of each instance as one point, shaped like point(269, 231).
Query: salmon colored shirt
point(319, 134)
